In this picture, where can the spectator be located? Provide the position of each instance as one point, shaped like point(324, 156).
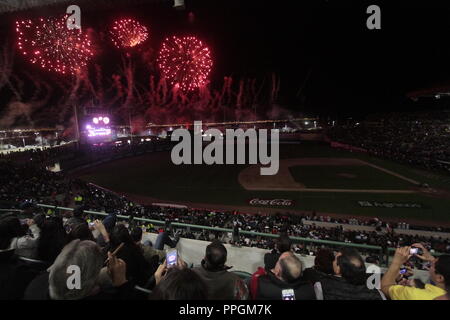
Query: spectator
point(439, 275)
point(102, 237)
point(282, 244)
point(349, 281)
point(52, 239)
point(152, 256)
point(27, 245)
point(110, 222)
point(87, 256)
point(179, 284)
point(14, 274)
point(164, 238)
point(77, 218)
point(236, 233)
point(82, 232)
point(286, 275)
point(222, 284)
point(138, 269)
point(323, 266)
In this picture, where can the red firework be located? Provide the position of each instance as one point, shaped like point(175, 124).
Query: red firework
point(128, 33)
point(49, 43)
point(185, 62)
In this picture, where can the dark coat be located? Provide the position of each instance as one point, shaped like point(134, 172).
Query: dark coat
point(337, 288)
point(270, 288)
point(15, 276)
point(222, 284)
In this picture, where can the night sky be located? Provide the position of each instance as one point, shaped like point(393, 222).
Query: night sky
point(322, 46)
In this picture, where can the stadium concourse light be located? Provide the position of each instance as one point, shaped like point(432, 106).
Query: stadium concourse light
point(179, 4)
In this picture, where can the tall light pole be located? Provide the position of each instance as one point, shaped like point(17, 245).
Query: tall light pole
point(77, 131)
point(131, 129)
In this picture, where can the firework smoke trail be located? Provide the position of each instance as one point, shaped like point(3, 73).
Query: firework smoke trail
point(6, 64)
point(24, 105)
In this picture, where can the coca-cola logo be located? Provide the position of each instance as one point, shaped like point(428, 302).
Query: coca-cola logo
point(271, 202)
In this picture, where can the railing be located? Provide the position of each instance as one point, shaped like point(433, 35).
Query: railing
point(250, 233)
point(377, 249)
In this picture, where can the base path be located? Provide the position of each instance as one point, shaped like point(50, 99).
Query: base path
point(251, 179)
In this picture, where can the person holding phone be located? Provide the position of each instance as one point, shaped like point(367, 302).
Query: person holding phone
point(439, 275)
point(283, 282)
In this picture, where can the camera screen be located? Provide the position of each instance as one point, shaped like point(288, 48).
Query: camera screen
point(288, 294)
point(171, 258)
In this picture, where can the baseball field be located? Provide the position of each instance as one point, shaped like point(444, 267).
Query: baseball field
point(312, 176)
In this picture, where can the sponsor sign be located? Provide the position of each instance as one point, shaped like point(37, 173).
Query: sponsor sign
point(271, 202)
point(378, 204)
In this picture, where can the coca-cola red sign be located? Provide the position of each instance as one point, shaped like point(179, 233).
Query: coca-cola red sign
point(271, 202)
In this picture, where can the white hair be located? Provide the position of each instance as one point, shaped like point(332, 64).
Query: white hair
point(84, 254)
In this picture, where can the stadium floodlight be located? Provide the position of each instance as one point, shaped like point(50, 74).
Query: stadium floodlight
point(105, 120)
point(95, 120)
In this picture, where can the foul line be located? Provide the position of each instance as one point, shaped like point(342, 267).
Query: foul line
point(391, 173)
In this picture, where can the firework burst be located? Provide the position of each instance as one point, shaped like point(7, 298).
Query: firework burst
point(185, 62)
point(128, 33)
point(49, 43)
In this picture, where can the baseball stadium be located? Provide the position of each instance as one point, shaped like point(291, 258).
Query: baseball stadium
point(223, 155)
point(313, 176)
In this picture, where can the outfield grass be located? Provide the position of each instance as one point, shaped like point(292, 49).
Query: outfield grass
point(155, 176)
point(347, 177)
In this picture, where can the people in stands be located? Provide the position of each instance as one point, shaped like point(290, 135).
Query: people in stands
point(53, 238)
point(349, 281)
point(15, 275)
point(282, 244)
point(82, 232)
point(110, 221)
point(222, 284)
point(236, 233)
point(101, 233)
point(152, 256)
point(164, 238)
point(323, 266)
point(77, 218)
point(178, 283)
point(285, 276)
point(138, 269)
point(27, 245)
point(87, 256)
point(439, 275)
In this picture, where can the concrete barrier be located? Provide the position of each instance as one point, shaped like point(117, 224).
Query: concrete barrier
point(246, 259)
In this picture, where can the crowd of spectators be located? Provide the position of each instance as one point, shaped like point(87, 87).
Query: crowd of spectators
point(28, 184)
point(38, 245)
point(421, 140)
point(105, 260)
